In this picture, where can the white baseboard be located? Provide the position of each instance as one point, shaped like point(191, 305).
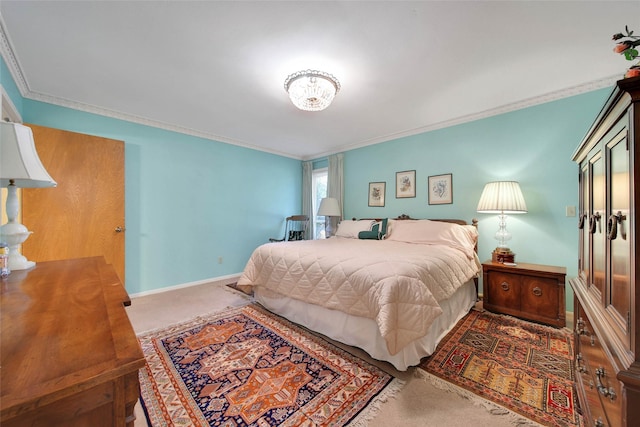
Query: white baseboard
point(221, 280)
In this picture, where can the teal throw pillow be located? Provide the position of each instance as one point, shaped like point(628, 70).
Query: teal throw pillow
point(371, 234)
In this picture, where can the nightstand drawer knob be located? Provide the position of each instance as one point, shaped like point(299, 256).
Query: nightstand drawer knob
point(537, 291)
point(505, 286)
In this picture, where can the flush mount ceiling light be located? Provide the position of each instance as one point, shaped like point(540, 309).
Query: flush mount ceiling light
point(311, 90)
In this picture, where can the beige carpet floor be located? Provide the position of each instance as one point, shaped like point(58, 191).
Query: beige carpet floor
point(418, 404)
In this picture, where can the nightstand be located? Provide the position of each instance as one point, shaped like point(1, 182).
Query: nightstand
point(529, 291)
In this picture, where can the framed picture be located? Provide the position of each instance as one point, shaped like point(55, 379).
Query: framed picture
point(441, 189)
point(376, 193)
point(405, 184)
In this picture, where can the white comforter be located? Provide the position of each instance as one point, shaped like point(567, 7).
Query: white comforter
point(397, 284)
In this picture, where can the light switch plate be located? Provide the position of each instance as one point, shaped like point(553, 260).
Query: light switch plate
point(571, 210)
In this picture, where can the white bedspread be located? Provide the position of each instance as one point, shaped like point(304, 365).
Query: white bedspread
point(395, 283)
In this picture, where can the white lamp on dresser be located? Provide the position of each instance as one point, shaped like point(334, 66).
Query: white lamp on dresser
point(20, 167)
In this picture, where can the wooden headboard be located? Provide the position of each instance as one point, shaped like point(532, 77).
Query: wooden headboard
point(474, 221)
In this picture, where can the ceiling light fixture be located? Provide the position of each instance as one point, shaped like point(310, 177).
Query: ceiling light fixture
point(311, 90)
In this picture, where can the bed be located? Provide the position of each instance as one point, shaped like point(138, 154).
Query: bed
point(392, 287)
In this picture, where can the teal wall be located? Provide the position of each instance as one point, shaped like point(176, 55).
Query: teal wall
point(532, 145)
point(188, 200)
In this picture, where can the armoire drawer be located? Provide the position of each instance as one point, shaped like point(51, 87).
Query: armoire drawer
point(596, 377)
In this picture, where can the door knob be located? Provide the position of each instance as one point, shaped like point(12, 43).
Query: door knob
point(119, 229)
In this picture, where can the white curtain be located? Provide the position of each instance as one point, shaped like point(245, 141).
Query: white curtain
point(307, 197)
point(335, 184)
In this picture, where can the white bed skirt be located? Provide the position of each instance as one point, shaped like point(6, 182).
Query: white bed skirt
point(364, 333)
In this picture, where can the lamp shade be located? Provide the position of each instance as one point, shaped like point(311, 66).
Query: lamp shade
point(502, 197)
point(19, 161)
point(329, 207)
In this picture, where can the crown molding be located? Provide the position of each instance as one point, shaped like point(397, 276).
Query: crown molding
point(8, 109)
point(530, 102)
point(10, 59)
point(87, 108)
point(23, 86)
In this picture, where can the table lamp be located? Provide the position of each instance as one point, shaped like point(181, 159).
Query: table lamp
point(20, 167)
point(329, 207)
point(502, 197)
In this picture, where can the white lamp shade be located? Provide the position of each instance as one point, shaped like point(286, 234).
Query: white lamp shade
point(329, 207)
point(502, 197)
point(19, 161)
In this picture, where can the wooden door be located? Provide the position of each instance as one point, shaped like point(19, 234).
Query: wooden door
point(82, 215)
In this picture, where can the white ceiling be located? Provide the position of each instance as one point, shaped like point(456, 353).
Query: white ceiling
point(216, 69)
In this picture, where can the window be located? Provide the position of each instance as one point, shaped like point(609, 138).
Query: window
point(318, 191)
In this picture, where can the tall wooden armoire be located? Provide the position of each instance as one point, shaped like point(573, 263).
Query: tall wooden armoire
point(607, 297)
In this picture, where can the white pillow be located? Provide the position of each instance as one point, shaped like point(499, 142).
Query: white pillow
point(351, 229)
point(423, 231)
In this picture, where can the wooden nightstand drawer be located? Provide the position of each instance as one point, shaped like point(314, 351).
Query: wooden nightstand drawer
point(502, 290)
point(530, 291)
point(542, 294)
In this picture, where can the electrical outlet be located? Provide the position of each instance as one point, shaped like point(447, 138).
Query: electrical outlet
point(219, 260)
point(570, 210)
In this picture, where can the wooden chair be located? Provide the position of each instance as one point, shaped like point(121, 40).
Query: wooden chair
point(295, 229)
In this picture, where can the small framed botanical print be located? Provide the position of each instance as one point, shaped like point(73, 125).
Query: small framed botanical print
point(441, 189)
point(405, 184)
point(376, 193)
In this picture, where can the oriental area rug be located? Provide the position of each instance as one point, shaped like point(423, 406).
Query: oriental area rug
point(524, 367)
point(247, 367)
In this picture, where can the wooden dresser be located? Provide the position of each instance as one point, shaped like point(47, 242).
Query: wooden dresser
point(69, 354)
point(607, 296)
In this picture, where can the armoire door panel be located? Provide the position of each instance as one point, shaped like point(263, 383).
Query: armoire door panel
point(618, 233)
point(596, 219)
point(583, 225)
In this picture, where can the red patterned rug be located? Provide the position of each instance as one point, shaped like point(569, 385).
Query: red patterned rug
point(522, 366)
point(248, 367)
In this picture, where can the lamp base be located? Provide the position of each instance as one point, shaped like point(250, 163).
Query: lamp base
point(502, 255)
point(19, 262)
point(14, 234)
point(328, 228)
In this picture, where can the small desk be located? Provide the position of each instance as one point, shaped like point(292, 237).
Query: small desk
point(529, 291)
point(69, 354)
